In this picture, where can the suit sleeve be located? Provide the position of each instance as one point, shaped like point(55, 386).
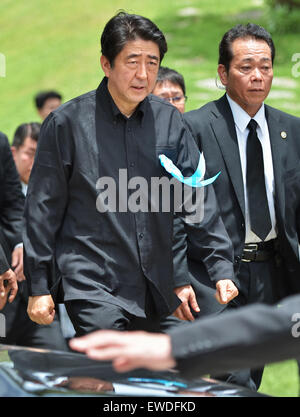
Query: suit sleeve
point(46, 201)
point(245, 338)
point(209, 242)
point(4, 266)
point(206, 242)
point(12, 199)
point(202, 236)
point(179, 248)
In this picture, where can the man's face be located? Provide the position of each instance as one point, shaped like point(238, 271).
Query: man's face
point(250, 75)
point(170, 92)
point(133, 74)
point(24, 157)
point(50, 105)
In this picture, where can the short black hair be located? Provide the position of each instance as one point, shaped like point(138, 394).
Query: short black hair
point(168, 74)
point(124, 27)
point(251, 30)
point(24, 131)
point(43, 96)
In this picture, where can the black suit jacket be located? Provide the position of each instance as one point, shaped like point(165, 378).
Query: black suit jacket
point(4, 266)
point(203, 254)
point(11, 201)
point(214, 130)
point(245, 338)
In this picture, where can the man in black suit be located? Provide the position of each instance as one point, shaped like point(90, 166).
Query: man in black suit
point(20, 330)
point(8, 281)
point(247, 337)
point(11, 200)
point(258, 187)
point(11, 209)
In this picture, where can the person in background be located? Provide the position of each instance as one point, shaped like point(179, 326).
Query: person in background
point(23, 148)
point(170, 86)
point(20, 330)
point(46, 102)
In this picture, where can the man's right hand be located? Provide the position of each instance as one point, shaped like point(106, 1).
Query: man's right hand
point(9, 277)
point(127, 350)
point(41, 309)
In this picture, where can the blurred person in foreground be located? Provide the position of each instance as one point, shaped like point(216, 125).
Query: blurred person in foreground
point(248, 337)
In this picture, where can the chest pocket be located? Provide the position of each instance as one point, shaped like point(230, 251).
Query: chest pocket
point(169, 152)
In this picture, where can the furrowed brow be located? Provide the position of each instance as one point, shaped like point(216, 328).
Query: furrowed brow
point(137, 55)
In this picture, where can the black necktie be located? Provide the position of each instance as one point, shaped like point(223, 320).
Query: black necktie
point(260, 220)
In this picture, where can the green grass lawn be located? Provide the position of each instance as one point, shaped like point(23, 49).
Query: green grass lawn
point(4, 357)
point(281, 379)
point(56, 44)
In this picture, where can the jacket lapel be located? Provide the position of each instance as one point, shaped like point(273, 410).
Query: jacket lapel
point(224, 129)
point(278, 147)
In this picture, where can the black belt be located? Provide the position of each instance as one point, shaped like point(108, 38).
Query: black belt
point(258, 252)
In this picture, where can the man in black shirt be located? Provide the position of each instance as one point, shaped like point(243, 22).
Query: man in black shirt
point(88, 197)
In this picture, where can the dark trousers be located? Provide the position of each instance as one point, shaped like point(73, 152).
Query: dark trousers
point(91, 315)
point(258, 284)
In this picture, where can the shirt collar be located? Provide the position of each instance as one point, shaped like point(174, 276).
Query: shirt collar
point(241, 118)
point(24, 187)
point(110, 108)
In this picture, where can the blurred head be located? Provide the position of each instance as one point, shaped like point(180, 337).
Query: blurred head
point(171, 87)
point(132, 48)
point(23, 148)
point(46, 102)
point(246, 56)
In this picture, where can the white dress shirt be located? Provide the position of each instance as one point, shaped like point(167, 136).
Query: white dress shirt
point(241, 120)
point(24, 188)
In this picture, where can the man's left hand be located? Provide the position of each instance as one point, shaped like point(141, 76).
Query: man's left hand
point(226, 291)
point(188, 299)
point(17, 263)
